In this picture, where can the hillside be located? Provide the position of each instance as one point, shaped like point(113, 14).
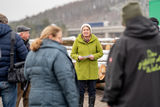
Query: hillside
point(76, 13)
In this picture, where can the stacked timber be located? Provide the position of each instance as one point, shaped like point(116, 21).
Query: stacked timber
point(106, 44)
point(68, 41)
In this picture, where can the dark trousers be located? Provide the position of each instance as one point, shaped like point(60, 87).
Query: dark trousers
point(87, 84)
point(25, 94)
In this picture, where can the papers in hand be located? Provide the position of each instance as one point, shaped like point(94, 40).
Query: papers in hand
point(86, 56)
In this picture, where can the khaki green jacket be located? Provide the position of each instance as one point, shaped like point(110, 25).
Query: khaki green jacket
point(87, 69)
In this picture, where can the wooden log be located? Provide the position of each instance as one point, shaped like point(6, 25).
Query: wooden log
point(100, 86)
point(101, 72)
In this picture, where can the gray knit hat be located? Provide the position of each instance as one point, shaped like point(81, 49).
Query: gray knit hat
point(130, 11)
point(3, 19)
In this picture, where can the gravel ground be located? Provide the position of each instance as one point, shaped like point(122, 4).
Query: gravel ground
point(98, 103)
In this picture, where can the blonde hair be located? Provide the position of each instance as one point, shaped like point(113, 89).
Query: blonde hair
point(49, 30)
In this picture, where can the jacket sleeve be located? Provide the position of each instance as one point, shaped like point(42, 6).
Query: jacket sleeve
point(74, 53)
point(64, 71)
point(114, 75)
point(26, 71)
point(21, 49)
point(99, 50)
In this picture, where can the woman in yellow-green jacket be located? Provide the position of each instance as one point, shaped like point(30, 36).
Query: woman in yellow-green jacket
point(86, 50)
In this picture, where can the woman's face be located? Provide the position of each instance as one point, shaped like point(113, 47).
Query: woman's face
point(58, 37)
point(86, 31)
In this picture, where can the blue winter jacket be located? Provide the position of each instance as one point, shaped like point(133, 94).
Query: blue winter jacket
point(52, 77)
point(5, 46)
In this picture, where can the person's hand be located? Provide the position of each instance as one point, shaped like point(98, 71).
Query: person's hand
point(80, 58)
point(91, 57)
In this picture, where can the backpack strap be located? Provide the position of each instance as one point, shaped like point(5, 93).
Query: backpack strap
point(12, 51)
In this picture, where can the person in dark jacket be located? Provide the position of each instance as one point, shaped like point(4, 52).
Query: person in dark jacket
point(24, 33)
point(23, 88)
point(8, 91)
point(51, 72)
point(134, 74)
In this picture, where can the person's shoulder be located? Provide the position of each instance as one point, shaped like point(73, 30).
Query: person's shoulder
point(56, 53)
point(94, 37)
point(53, 51)
point(17, 36)
point(78, 36)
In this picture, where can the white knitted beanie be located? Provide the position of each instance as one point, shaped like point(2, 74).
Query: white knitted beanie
point(87, 26)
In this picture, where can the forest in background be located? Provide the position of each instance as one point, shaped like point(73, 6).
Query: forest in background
point(73, 15)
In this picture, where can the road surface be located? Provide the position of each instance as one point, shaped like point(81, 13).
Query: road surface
point(98, 103)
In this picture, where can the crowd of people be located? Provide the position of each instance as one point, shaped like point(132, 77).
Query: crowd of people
point(52, 80)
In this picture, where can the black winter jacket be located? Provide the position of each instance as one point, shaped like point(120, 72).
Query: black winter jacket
point(133, 79)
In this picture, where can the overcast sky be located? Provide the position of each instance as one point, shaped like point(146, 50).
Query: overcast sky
point(19, 9)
